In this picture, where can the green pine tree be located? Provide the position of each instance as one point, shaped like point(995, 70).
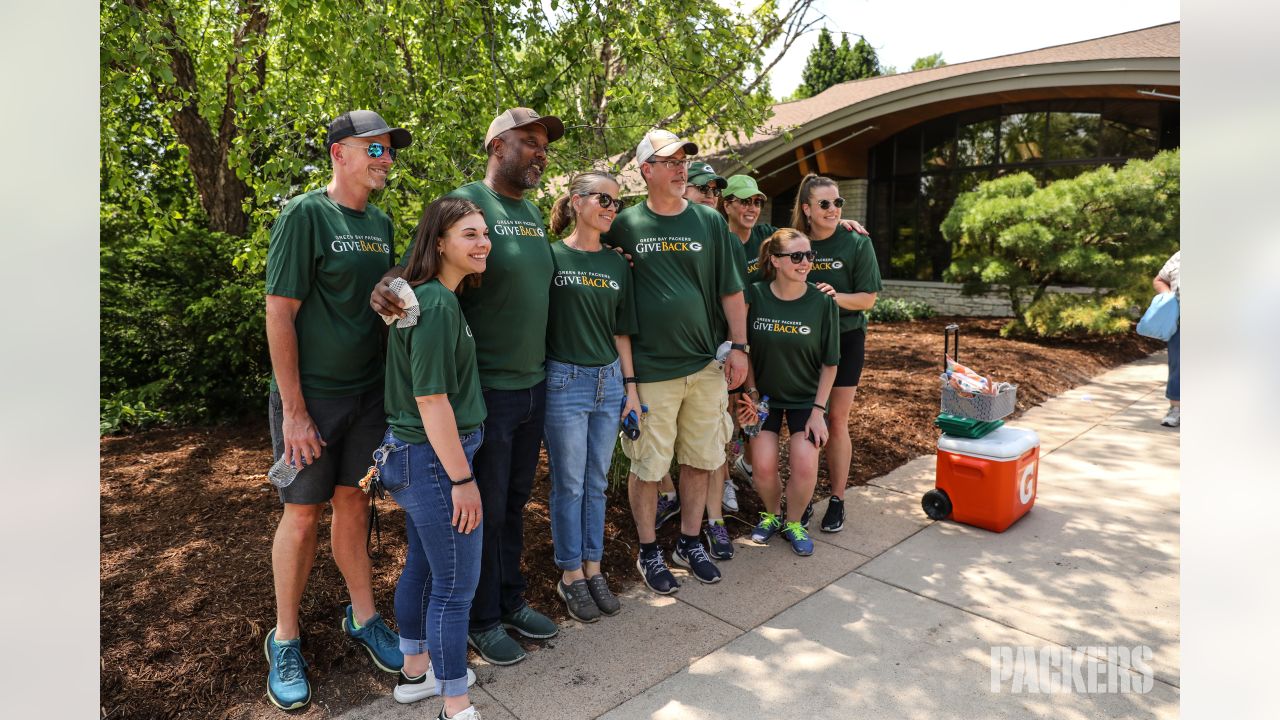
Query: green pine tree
point(820, 69)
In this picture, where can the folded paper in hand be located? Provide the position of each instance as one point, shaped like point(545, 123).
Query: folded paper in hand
point(411, 309)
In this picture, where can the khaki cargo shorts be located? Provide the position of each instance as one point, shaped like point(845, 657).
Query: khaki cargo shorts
point(687, 419)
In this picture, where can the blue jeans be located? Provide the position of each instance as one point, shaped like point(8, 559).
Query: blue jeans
point(504, 468)
point(583, 404)
point(1173, 390)
point(433, 597)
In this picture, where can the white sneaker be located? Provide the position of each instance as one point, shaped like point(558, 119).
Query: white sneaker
point(741, 467)
point(1174, 417)
point(409, 690)
point(471, 713)
point(730, 500)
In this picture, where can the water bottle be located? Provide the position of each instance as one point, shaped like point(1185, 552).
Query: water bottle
point(762, 413)
point(282, 473)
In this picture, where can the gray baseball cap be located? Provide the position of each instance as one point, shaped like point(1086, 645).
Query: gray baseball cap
point(365, 123)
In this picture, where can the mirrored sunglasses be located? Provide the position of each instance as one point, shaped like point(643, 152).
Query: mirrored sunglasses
point(374, 149)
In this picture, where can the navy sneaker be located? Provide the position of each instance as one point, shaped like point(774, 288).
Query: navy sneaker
point(287, 686)
point(807, 515)
point(718, 543)
point(382, 644)
point(655, 573)
point(693, 556)
point(667, 509)
point(795, 533)
point(765, 529)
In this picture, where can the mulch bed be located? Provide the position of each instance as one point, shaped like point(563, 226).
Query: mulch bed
point(188, 518)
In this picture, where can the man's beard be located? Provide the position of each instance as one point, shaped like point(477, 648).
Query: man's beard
point(519, 175)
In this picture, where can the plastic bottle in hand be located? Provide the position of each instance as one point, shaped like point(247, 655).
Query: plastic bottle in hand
point(282, 474)
point(762, 412)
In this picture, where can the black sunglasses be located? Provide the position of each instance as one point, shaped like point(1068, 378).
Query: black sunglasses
point(605, 199)
point(711, 190)
point(374, 149)
point(758, 202)
point(798, 255)
point(826, 204)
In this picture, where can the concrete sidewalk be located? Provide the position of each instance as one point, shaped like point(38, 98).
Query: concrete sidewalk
point(896, 616)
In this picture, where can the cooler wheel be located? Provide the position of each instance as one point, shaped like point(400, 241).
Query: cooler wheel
point(936, 504)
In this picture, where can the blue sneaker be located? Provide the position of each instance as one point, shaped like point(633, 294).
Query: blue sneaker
point(287, 686)
point(667, 509)
point(382, 644)
point(765, 529)
point(799, 538)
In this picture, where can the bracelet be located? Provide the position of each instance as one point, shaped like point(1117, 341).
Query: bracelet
point(751, 391)
point(463, 481)
point(820, 406)
point(632, 380)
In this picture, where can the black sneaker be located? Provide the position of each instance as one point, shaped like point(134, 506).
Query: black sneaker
point(694, 556)
point(577, 596)
point(667, 509)
point(718, 543)
point(655, 573)
point(833, 518)
point(807, 515)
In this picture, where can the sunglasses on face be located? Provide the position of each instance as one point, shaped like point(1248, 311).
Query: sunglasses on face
point(605, 199)
point(826, 204)
point(798, 255)
point(711, 190)
point(670, 164)
point(754, 201)
point(374, 149)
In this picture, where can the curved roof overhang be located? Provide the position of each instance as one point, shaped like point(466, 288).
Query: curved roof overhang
point(890, 112)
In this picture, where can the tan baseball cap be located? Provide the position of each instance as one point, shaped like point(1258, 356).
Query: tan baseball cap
point(519, 117)
point(663, 143)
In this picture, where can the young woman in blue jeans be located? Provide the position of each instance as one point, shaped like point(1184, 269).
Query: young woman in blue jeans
point(435, 412)
point(590, 387)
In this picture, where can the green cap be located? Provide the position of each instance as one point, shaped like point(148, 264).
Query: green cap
point(702, 174)
point(741, 186)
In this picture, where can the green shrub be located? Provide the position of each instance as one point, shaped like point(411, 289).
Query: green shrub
point(887, 310)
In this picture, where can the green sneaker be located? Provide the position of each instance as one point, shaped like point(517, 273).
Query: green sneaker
point(530, 623)
point(496, 646)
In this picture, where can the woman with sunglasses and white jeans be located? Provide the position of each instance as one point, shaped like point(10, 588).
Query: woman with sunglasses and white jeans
point(590, 387)
point(435, 412)
point(794, 332)
point(845, 268)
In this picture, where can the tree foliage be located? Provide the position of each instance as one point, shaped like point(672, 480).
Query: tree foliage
point(1110, 229)
point(928, 61)
point(829, 64)
point(213, 116)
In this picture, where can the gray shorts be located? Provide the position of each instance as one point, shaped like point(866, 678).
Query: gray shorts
point(352, 428)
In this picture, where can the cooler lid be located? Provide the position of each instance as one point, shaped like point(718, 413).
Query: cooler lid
point(1003, 443)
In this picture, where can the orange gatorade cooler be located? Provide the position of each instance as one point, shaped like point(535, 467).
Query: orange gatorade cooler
point(988, 482)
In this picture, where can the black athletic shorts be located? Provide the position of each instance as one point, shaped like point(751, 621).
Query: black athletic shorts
point(796, 418)
point(853, 349)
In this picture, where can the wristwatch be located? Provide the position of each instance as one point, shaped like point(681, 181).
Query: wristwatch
point(740, 346)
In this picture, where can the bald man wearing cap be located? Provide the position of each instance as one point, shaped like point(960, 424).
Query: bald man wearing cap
point(685, 276)
point(508, 316)
point(325, 406)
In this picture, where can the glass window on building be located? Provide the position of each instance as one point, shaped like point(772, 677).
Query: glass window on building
point(976, 143)
point(1022, 136)
point(1130, 129)
point(1075, 129)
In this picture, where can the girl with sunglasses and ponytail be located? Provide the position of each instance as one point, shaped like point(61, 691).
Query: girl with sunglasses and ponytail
point(794, 332)
point(590, 385)
point(845, 268)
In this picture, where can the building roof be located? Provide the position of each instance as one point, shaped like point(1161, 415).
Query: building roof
point(1161, 41)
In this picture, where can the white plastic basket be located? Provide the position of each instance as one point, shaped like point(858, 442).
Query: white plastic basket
point(980, 406)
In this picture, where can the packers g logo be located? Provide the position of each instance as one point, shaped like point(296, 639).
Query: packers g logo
point(695, 246)
point(468, 329)
point(613, 284)
point(805, 330)
point(836, 264)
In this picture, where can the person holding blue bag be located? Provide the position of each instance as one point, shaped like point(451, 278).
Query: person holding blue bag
point(590, 385)
point(1166, 281)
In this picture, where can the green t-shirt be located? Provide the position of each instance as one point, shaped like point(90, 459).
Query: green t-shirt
point(751, 249)
point(592, 299)
point(509, 310)
point(682, 268)
point(437, 356)
point(790, 342)
point(847, 262)
point(738, 257)
point(328, 256)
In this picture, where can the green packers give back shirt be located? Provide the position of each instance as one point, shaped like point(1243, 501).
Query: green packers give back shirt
point(437, 356)
point(508, 312)
point(847, 262)
point(328, 256)
point(592, 299)
point(682, 268)
point(790, 342)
